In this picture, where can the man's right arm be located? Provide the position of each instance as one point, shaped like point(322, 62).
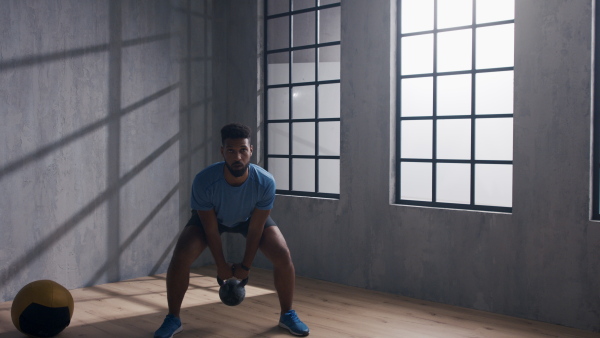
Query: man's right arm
point(213, 240)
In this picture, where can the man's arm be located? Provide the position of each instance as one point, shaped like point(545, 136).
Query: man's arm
point(255, 230)
point(213, 240)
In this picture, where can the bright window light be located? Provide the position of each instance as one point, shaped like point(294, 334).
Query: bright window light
point(455, 103)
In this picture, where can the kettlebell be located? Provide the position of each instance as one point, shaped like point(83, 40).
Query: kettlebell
point(232, 291)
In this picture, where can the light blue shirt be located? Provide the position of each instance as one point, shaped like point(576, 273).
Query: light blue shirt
point(233, 205)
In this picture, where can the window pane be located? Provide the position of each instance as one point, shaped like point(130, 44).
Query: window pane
point(303, 140)
point(329, 63)
point(495, 46)
point(303, 102)
point(454, 139)
point(279, 136)
point(303, 174)
point(278, 6)
point(417, 54)
point(415, 181)
point(303, 29)
point(493, 184)
point(494, 93)
point(454, 50)
point(278, 33)
point(494, 139)
point(303, 65)
point(417, 15)
point(329, 25)
point(490, 11)
point(279, 103)
point(417, 97)
point(278, 68)
point(454, 13)
point(453, 183)
point(329, 138)
point(328, 2)
point(454, 95)
point(329, 176)
point(329, 100)
point(280, 168)
point(416, 139)
point(302, 4)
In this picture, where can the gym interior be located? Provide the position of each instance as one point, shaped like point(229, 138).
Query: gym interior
point(111, 107)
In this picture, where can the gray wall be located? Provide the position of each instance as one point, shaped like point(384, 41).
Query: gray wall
point(111, 107)
point(540, 262)
point(107, 109)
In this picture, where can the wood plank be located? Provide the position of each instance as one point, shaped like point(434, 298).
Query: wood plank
point(135, 308)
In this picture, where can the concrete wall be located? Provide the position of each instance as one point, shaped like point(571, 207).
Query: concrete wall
point(111, 107)
point(107, 112)
point(540, 262)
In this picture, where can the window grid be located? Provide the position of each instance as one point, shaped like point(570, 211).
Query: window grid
point(473, 117)
point(290, 85)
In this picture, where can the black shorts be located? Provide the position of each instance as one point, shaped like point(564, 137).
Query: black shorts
point(241, 228)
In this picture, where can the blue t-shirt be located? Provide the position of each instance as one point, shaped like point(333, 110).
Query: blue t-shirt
point(232, 205)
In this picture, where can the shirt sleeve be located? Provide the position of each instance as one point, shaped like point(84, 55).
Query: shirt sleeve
point(200, 196)
point(268, 196)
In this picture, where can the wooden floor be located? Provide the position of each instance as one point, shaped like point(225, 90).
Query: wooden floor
point(135, 308)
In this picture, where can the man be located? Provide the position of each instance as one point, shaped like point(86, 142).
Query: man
point(232, 196)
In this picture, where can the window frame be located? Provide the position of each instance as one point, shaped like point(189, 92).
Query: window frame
point(596, 118)
point(290, 85)
point(435, 118)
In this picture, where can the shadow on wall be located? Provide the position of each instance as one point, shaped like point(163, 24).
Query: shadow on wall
point(154, 134)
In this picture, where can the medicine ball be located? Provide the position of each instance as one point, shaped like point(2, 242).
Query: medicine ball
point(232, 291)
point(42, 309)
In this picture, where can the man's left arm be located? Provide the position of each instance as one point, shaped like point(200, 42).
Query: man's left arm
point(255, 230)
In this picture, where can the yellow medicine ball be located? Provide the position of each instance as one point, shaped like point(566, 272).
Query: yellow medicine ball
point(42, 309)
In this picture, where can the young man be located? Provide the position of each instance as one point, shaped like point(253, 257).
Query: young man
point(232, 196)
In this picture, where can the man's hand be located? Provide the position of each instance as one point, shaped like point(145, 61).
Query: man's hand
point(239, 272)
point(225, 271)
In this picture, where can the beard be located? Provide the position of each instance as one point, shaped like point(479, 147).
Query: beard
point(237, 172)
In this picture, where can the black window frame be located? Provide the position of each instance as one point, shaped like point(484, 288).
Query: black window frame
point(596, 119)
point(434, 118)
point(290, 85)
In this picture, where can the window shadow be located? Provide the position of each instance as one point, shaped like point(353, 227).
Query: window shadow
point(193, 140)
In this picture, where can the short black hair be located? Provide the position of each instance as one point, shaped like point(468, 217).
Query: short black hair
point(235, 130)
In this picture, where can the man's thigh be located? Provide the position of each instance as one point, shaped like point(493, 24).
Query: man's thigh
point(273, 244)
point(191, 243)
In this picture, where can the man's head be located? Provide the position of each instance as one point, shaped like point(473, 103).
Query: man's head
point(235, 130)
point(236, 148)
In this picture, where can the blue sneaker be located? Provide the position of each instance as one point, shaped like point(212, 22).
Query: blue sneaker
point(290, 321)
point(171, 326)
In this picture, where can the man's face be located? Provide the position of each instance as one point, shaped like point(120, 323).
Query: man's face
point(237, 153)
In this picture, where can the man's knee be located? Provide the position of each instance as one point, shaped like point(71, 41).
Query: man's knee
point(275, 248)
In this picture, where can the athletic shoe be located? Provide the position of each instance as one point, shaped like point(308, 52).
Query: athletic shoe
point(290, 321)
point(171, 326)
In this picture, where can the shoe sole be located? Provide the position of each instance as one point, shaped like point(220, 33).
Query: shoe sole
point(179, 329)
point(282, 325)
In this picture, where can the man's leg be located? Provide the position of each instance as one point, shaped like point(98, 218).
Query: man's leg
point(274, 247)
point(189, 246)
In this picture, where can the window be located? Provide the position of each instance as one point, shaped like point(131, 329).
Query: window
point(454, 121)
point(302, 99)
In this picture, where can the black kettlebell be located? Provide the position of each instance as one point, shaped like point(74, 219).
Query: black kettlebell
point(232, 291)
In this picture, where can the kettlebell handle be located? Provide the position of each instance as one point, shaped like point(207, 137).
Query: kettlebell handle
point(242, 283)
